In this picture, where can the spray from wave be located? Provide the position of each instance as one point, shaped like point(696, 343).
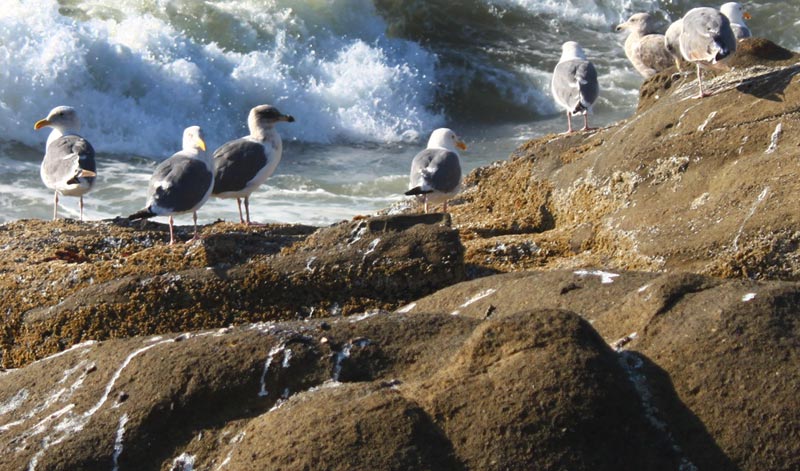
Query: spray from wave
point(351, 71)
point(141, 71)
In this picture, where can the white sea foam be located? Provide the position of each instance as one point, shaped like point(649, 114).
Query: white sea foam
point(592, 13)
point(138, 75)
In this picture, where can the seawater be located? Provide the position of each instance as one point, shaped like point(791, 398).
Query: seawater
point(367, 80)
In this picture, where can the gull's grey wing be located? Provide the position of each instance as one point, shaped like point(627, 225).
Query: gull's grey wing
point(179, 184)
point(575, 84)
point(438, 169)
point(65, 157)
point(236, 163)
point(740, 31)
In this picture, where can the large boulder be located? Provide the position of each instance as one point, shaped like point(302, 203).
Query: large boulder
point(710, 358)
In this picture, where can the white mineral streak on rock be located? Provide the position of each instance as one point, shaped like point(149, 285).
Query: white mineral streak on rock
point(773, 140)
point(702, 127)
point(270, 357)
point(78, 346)
point(118, 440)
point(73, 423)
point(407, 308)
point(479, 296)
point(605, 277)
point(750, 214)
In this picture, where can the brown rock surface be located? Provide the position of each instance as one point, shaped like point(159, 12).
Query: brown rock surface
point(65, 282)
point(426, 389)
point(715, 359)
point(684, 184)
point(461, 395)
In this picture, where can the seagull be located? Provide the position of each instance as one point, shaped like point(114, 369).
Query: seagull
point(706, 39)
point(644, 48)
point(436, 171)
point(180, 184)
point(243, 164)
point(736, 16)
point(574, 84)
point(68, 167)
point(672, 39)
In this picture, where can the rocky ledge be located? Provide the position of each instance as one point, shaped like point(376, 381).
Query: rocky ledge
point(621, 299)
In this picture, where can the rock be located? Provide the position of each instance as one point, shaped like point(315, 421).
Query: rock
point(412, 392)
point(343, 427)
point(69, 282)
point(540, 390)
point(711, 357)
point(692, 185)
point(521, 388)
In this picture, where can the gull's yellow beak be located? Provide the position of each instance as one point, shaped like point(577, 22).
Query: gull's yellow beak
point(461, 145)
point(40, 124)
point(746, 15)
point(87, 173)
point(201, 144)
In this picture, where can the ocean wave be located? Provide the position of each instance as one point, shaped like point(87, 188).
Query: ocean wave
point(350, 71)
point(140, 72)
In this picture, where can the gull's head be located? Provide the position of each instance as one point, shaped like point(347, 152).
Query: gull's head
point(193, 139)
point(734, 12)
point(641, 23)
point(61, 118)
point(444, 138)
point(265, 116)
point(572, 50)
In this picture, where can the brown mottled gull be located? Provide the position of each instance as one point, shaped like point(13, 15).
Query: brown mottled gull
point(644, 48)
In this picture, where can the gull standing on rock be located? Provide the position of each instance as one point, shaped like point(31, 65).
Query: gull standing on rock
point(180, 184)
point(733, 11)
point(574, 84)
point(436, 171)
point(706, 39)
point(243, 164)
point(672, 41)
point(645, 49)
point(68, 167)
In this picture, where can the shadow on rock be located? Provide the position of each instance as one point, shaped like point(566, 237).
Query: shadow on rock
point(769, 86)
point(680, 429)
